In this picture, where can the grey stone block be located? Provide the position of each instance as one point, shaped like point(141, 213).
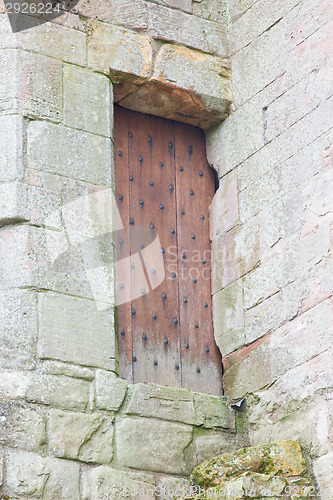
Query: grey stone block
point(153, 445)
point(181, 28)
point(223, 211)
point(11, 148)
point(51, 367)
point(235, 254)
point(214, 10)
point(213, 412)
point(58, 391)
point(228, 315)
point(257, 19)
point(22, 427)
point(207, 445)
point(30, 475)
point(13, 203)
point(323, 467)
point(166, 403)
point(49, 39)
point(297, 102)
point(171, 487)
point(116, 50)
point(31, 85)
point(237, 138)
point(132, 14)
point(18, 329)
point(69, 152)
point(104, 482)
point(259, 64)
point(185, 5)
point(44, 198)
point(78, 436)
point(87, 101)
point(110, 390)
point(72, 329)
point(282, 268)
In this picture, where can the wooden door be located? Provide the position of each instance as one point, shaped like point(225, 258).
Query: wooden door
point(164, 187)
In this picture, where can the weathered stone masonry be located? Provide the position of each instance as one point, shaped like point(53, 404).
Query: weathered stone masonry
point(272, 225)
point(70, 428)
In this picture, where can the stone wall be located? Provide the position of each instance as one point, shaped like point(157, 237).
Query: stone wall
point(70, 428)
point(272, 225)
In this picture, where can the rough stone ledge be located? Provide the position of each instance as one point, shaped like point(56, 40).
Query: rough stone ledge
point(178, 83)
point(180, 405)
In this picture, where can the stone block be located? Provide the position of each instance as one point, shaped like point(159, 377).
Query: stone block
point(104, 482)
point(31, 475)
point(208, 444)
point(58, 42)
point(228, 316)
point(22, 427)
point(306, 19)
point(87, 101)
point(256, 20)
point(71, 329)
point(260, 194)
point(234, 254)
point(132, 14)
point(58, 391)
point(2, 453)
point(259, 64)
point(238, 7)
point(297, 102)
point(153, 445)
point(237, 138)
point(110, 391)
point(36, 257)
point(304, 390)
point(288, 260)
point(240, 377)
point(205, 75)
point(323, 468)
point(297, 297)
point(186, 85)
point(166, 403)
point(172, 487)
point(296, 161)
point(80, 436)
point(184, 29)
point(11, 148)
point(214, 10)
point(51, 367)
point(223, 211)
point(56, 149)
point(305, 40)
point(13, 203)
point(185, 5)
point(44, 198)
point(31, 85)
point(213, 412)
point(13, 385)
point(289, 347)
point(278, 352)
point(18, 329)
point(119, 52)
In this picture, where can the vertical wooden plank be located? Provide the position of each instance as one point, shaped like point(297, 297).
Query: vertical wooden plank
point(122, 242)
point(201, 359)
point(152, 206)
